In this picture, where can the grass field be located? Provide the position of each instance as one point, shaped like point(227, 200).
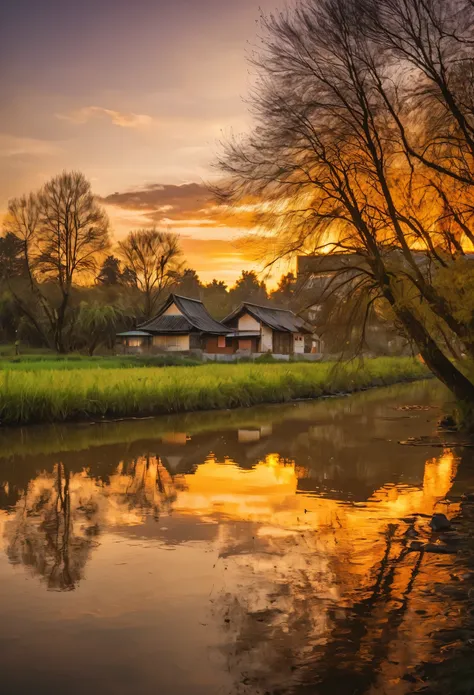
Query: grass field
point(67, 362)
point(52, 395)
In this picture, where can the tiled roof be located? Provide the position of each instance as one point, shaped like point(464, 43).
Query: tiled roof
point(195, 317)
point(168, 324)
point(277, 319)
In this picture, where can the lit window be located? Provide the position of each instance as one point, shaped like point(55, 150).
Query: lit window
point(221, 341)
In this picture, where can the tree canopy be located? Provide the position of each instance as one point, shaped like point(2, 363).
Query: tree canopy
point(363, 145)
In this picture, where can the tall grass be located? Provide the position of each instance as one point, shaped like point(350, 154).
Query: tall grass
point(58, 396)
point(58, 438)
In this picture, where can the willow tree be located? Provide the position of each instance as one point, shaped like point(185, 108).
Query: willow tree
point(335, 105)
point(62, 232)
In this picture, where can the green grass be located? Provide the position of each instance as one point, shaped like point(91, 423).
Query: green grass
point(49, 395)
point(67, 362)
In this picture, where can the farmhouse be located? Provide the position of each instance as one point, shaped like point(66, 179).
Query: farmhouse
point(256, 328)
point(182, 324)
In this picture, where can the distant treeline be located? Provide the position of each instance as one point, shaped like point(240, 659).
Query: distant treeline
point(63, 286)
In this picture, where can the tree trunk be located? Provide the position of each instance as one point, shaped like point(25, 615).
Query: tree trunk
point(59, 329)
point(435, 359)
point(93, 346)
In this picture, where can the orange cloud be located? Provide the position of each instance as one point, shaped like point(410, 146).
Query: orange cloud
point(216, 239)
point(185, 205)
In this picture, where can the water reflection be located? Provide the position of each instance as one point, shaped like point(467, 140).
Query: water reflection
point(299, 544)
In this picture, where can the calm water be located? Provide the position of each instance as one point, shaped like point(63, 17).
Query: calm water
point(255, 551)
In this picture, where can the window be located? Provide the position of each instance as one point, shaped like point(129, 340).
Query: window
point(221, 341)
point(134, 342)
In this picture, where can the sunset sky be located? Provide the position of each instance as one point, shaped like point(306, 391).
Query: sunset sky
point(136, 95)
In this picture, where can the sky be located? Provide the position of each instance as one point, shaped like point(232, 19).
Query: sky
point(136, 94)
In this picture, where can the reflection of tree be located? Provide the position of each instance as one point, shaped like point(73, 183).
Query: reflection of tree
point(332, 609)
point(58, 519)
point(143, 486)
point(366, 633)
point(44, 534)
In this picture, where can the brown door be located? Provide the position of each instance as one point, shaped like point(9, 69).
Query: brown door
point(282, 343)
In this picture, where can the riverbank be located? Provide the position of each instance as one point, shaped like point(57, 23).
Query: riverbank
point(58, 396)
point(315, 504)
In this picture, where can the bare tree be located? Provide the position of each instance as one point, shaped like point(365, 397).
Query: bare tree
point(329, 152)
point(63, 233)
point(151, 258)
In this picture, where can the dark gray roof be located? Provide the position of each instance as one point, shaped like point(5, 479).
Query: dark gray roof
point(278, 319)
point(195, 317)
point(168, 324)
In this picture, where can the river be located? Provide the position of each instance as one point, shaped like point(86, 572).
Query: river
point(255, 551)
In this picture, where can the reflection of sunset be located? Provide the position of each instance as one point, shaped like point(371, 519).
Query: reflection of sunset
point(268, 494)
point(226, 489)
point(303, 560)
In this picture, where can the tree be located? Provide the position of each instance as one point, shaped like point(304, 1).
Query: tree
point(285, 292)
point(96, 324)
point(216, 298)
point(109, 273)
point(63, 232)
point(248, 288)
point(151, 259)
point(333, 159)
point(11, 262)
point(188, 284)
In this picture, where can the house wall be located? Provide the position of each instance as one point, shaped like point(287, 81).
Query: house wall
point(247, 345)
point(212, 346)
point(248, 323)
point(266, 341)
point(172, 311)
point(196, 341)
point(316, 344)
point(298, 343)
point(171, 343)
point(282, 343)
point(133, 346)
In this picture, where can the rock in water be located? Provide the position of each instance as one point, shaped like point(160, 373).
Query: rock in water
point(440, 522)
point(447, 422)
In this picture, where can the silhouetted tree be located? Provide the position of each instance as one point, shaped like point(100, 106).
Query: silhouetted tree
point(248, 288)
point(216, 298)
point(342, 171)
point(63, 232)
point(11, 261)
point(188, 284)
point(110, 273)
point(285, 292)
point(151, 259)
